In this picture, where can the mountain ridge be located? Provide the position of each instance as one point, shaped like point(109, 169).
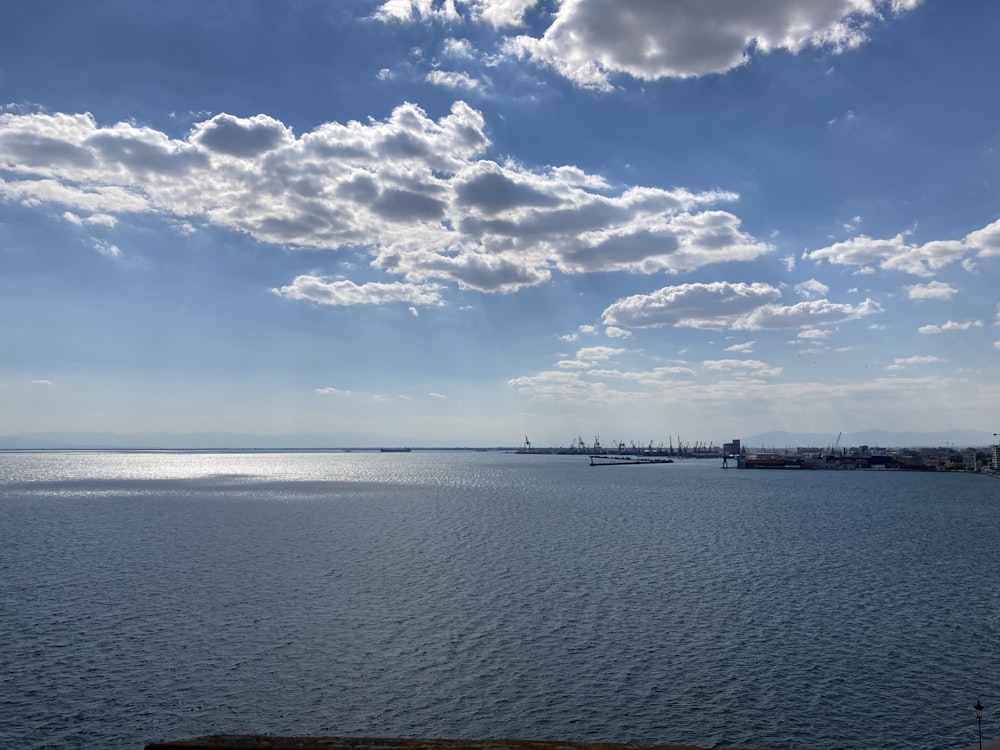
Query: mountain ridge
point(873, 438)
point(775, 440)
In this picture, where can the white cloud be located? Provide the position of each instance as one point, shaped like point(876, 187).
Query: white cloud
point(931, 290)
point(814, 334)
point(896, 254)
point(453, 80)
point(806, 314)
point(812, 289)
point(324, 292)
point(597, 353)
point(589, 40)
point(103, 220)
point(738, 306)
point(893, 254)
point(418, 193)
point(330, 391)
point(743, 348)
point(107, 249)
point(986, 240)
point(951, 325)
point(441, 396)
point(562, 387)
point(743, 367)
point(587, 356)
point(498, 13)
point(901, 363)
point(656, 377)
point(41, 381)
point(458, 49)
point(617, 333)
point(694, 305)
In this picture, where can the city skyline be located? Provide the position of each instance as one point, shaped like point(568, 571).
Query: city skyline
point(457, 223)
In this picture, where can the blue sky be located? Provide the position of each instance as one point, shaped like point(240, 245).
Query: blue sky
point(440, 223)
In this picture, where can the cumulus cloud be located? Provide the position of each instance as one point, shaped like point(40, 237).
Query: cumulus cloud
point(615, 332)
point(597, 353)
point(951, 325)
point(743, 348)
point(498, 13)
point(694, 305)
point(814, 334)
point(238, 136)
point(986, 240)
point(739, 306)
point(812, 289)
point(589, 40)
point(453, 80)
point(897, 254)
point(418, 193)
point(325, 292)
point(811, 313)
point(894, 254)
point(932, 290)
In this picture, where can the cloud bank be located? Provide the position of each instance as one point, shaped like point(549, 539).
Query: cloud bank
point(418, 194)
point(588, 41)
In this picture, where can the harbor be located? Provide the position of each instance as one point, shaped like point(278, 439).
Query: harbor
point(736, 454)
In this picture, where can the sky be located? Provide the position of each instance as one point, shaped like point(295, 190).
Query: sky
point(431, 222)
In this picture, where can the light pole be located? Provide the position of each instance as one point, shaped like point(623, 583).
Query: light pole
point(979, 720)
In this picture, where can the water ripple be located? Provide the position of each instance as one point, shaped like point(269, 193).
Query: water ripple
point(155, 596)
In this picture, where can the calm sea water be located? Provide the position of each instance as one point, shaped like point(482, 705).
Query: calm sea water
point(151, 596)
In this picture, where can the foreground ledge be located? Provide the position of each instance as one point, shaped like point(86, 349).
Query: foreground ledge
point(264, 742)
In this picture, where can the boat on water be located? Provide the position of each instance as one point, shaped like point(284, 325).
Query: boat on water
point(626, 460)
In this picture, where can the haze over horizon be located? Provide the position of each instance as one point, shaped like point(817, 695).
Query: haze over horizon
point(457, 223)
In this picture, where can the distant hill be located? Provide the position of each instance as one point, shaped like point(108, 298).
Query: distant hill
point(203, 441)
point(169, 441)
point(224, 441)
point(874, 438)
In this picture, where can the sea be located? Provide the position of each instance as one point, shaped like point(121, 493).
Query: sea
point(163, 595)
